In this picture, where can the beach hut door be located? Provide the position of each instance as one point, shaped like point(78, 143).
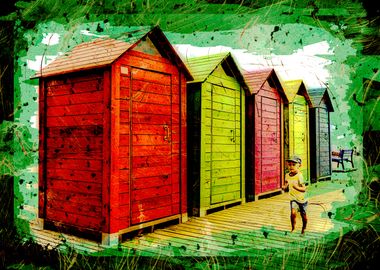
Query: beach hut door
point(300, 137)
point(267, 144)
point(225, 163)
point(152, 128)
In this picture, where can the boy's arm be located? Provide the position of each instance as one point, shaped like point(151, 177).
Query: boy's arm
point(285, 186)
point(300, 187)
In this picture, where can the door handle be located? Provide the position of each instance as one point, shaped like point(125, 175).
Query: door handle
point(233, 138)
point(167, 133)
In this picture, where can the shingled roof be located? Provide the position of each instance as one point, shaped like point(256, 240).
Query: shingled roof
point(104, 51)
point(294, 87)
point(203, 66)
point(88, 55)
point(255, 79)
point(319, 94)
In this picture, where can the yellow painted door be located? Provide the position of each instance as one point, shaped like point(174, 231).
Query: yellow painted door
point(299, 142)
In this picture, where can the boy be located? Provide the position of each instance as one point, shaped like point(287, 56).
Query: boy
point(297, 191)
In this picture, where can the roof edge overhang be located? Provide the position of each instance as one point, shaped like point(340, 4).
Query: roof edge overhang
point(276, 81)
point(232, 64)
point(56, 74)
point(163, 45)
point(159, 40)
point(303, 92)
point(326, 95)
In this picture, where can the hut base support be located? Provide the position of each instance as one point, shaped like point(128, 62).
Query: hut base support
point(184, 218)
point(324, 178)
point(153, 224)
point(37, 224)
point(268, 194)
point(110, 239)
point(203, 211)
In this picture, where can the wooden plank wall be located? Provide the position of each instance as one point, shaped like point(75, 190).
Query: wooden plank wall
point(74, 150)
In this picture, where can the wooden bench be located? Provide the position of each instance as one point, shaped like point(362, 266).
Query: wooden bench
point(344, 155)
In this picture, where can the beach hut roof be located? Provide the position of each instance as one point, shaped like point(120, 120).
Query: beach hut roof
point(255, 79)
point(317, 95)
point(103, 52)
point(203, 66)
point(294, 87)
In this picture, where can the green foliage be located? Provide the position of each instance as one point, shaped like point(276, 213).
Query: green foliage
point(16, 148)
point(199, 22)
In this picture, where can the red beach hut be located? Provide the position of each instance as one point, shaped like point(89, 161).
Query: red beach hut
point(113, 137)
point(264, 133)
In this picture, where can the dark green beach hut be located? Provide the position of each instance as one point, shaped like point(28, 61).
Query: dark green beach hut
point(216, 117)
point(320, 144)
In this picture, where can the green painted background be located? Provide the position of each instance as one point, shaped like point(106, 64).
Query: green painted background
point(258, 26)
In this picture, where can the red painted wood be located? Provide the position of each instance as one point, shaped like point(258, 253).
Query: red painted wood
point(70, 207)
point(152, 98)
point(75, 120)
point(113, 122)
point(76, 109)
point(77, 219)
point(152, 214)
point(73, 148)
point(152, 86)
point(68, 174)
point(141, 76)
point(75, 142)
point(67, 196)
point(75, 77)
point(72, 164)
point(149, 62)
point(267, 142)
point(78, 131)
point(42, 151)
point(58, 90)
point(148, 204)
point(154, 181)
point(75, 186)
point(153, 119)
point(155, 139)
point(153, 161)
point(182, 197)
point(115, 144)
point(81, 155)
point(82, 98)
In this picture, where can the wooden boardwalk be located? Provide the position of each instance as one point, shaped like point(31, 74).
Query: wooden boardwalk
point(257, 227)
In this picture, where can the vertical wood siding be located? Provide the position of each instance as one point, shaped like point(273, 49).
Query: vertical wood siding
point(151, 156)
point(299, 132)
point(324, 143)
point(267, 140)
point(320, 155)
point(222, 140)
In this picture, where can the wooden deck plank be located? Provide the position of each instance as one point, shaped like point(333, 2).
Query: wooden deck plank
point(259, 227)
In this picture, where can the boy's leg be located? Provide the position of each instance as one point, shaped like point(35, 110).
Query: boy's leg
point(293, 214)
point(303, 216)
point(304, 222)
